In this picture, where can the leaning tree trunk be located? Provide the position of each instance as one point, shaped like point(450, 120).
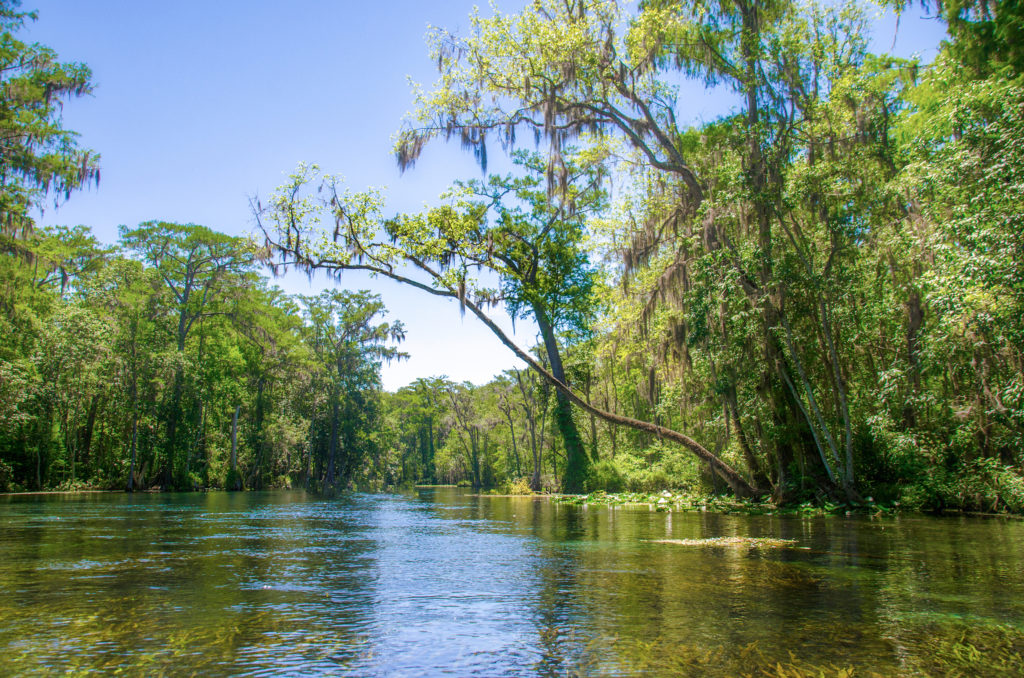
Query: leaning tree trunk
point(736, 482)
point(740, 486)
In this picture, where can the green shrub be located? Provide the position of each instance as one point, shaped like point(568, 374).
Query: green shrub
point(604, 476)
point(650, 480)
point(6, 477)
point(76, 485)
point(519, 486)
point(983, 485)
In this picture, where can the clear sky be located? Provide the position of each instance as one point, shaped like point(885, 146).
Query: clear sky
point(199, 105)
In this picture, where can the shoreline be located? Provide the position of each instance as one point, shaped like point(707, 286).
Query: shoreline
point(657, 502)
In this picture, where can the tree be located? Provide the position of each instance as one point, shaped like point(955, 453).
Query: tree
point(560, 70)
point(349, 345)
point(717, 193)
point(470, 432)
point(435, 245)
point(420, 410)
point(38, 157)
point(534, 242)
point(196, 265)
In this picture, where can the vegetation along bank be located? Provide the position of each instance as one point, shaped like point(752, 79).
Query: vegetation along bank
point(818, 297)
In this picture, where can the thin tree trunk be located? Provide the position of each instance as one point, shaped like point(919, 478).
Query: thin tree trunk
point(90, 424)
point(531, 424)
point(309, 450)
point(236, 483)
point(332, 445)
point(474, 442)
point(429, 463)
point(810, 425)
point(135, 435)
point(848, 479)
point(512, 433)
point(812, 403)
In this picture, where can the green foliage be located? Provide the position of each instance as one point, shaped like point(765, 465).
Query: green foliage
point(979, 485)
point(234, 479)
point(40, 158)
point(7, 483)
point(604, 477)
point(349, 345)
point(519, 486)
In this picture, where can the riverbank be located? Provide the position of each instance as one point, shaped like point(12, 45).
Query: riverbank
point(664, 501)
point(42, 493)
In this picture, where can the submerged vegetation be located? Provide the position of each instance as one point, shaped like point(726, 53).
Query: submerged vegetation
point(815, 300)
point(287, 583)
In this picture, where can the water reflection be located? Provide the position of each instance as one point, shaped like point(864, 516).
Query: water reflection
point(443, 582)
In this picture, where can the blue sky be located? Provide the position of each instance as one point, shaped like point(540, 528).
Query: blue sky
point(199, 105)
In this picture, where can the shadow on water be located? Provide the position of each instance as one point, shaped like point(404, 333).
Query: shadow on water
point(439, 581)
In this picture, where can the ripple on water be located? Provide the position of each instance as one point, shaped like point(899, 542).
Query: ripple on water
point(444, 583)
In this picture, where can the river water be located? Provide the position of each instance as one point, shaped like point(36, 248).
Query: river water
point(441, 582)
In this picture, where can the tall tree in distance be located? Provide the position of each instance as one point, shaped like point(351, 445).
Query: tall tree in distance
point(349, 343)
point(196, 265)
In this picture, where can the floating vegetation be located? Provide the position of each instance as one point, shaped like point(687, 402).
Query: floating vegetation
point(682, 501)
point(752, 542)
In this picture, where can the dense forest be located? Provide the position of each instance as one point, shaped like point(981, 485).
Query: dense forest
point(818, 297)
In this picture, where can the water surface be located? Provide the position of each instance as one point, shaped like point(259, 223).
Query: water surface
point(442, 582)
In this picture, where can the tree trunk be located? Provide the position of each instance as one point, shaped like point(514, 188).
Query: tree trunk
point(332, 445)
point(236, 481)
point(135, 434)
point(844, 408)
point(576, 459)
point(737, 482)
point(257, 437)
point(172, 427)
point(512, 433)
point(90, 425)
point(428, 464)
point(474, 445)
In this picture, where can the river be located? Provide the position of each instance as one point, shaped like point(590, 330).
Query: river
point(442, 582)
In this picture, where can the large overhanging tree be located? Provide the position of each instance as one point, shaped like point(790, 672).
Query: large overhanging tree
point(314, 223)
point(562, 69)
point(558, 70)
